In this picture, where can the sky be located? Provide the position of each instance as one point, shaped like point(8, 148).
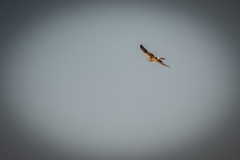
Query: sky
point(76, 78)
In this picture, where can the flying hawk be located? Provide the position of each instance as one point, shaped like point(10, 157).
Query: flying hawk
point(151, 57)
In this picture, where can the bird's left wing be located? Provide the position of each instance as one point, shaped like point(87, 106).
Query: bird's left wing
point(146, 52)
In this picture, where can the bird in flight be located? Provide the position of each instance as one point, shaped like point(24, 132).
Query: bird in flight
point(151, 57)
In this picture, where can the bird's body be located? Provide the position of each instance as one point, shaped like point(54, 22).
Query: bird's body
point(151, 57)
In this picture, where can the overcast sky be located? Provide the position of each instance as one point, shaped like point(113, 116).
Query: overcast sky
point(78, 79)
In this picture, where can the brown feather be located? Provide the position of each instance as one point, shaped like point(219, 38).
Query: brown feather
point(151, 57)
point(146, 52)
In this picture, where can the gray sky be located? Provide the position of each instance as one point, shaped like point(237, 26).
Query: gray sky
point(80, 80)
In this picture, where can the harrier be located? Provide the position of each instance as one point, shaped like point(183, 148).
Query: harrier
point(151, 57)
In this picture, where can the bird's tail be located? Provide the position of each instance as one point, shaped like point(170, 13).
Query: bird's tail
point(161, 58)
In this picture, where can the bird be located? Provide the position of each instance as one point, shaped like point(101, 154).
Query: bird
point(151, 57)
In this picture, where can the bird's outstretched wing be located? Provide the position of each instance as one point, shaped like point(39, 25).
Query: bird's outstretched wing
point(160, 62)
point(146, 52)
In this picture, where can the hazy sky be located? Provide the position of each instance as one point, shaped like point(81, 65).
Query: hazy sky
point(79, 80)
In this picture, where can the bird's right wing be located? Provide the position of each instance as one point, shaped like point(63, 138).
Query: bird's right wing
point(160, 62)
point(146, 52)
